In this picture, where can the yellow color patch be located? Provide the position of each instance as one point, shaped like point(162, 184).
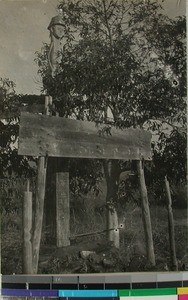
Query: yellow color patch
point(182, 291)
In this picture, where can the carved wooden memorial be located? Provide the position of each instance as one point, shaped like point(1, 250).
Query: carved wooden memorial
point(44, 136)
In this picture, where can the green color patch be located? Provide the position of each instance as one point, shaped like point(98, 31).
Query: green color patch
point(148, 292)
point(124, 293)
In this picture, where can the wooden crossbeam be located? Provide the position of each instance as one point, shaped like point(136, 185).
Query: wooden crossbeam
point(42, 135)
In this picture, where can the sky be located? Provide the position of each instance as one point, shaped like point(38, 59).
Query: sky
point(23, 29)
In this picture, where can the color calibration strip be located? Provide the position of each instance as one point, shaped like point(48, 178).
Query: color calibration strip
point(131, 294)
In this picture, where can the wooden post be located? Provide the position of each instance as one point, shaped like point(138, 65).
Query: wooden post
point(171, 226)
point(39, 204)
point(112, 173)
point(112, 220)
point(50, 201)
point(146, 214)
point(39, 208)
point(62, 209)
point(27, 236)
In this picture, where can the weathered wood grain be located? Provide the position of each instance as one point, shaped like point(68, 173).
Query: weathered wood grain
point(171, 226)
point(146, 217)
point(39, 204)
point(27, 229)
point(62, 209)
point(42, 135)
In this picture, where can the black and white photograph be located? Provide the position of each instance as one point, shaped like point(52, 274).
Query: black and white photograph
point(93, 136)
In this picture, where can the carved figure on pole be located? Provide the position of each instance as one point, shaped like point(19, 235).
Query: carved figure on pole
point(56, 28)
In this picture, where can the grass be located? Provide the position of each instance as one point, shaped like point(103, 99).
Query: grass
point(86, 218)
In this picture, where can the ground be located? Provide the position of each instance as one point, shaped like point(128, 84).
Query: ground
point(103, 256)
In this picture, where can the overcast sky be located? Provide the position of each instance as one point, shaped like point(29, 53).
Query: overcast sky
point(23, 29)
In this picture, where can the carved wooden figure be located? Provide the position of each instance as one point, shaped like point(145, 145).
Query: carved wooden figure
point(56, 29)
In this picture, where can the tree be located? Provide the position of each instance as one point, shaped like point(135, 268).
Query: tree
point(10, 163)
point(170, 156)
point(106, 65)
point(122, 55)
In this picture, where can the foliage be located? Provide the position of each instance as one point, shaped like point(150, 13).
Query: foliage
point(131, 58)
point(107, 61)
point(85, 176)
point(10, 163)
point(170, 156)
point(8, 100)
point(169, 159)
point(127, 56)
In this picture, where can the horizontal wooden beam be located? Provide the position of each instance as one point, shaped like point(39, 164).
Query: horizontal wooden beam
point(42, 135)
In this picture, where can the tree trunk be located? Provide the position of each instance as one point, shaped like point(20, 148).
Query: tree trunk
point(27, 236)
point(112, 174)
point(146, 215)
point(171, 227)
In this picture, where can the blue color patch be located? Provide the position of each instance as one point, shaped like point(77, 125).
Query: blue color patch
point(88, 293)
point(29, 293)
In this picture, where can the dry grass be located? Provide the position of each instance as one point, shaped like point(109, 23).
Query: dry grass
point(88, 218)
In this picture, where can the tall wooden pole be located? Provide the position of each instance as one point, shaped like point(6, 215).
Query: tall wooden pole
point(27, 236)
point(171, 226)
point(62, 209)
point(146, 214)
point(39, 204)
point(112, 174)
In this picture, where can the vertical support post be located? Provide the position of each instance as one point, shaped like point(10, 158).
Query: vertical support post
point(146, 214)
point(62, 209)
point(50, 201)
point(39, 209)
point(48, 103)
point(39, 204)
point(27, 227)
point(171, 227)
point(113, 227)
point(112, 173)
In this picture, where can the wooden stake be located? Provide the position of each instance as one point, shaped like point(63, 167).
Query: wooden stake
point(39, 205)
point(40, 194)
point(146, 215)
point(171, 226)
point(27, 227)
